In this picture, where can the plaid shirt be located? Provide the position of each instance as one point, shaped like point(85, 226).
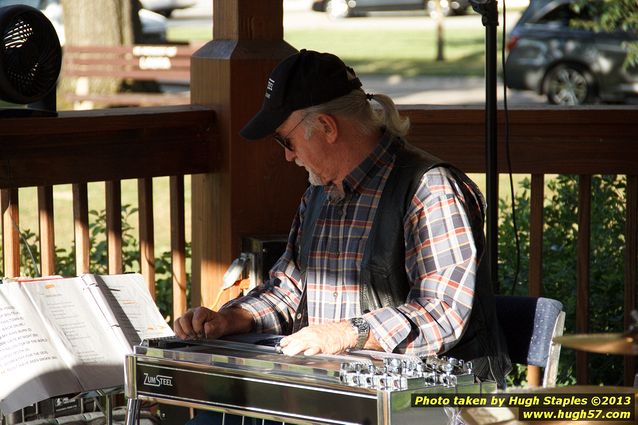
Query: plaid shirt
point(440, 262)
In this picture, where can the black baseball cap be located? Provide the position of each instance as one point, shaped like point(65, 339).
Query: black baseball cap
point(301, 80)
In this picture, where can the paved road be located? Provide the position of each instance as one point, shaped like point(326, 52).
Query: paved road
point(413, 90)
point(443, 91)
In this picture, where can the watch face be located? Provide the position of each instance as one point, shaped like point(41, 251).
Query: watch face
point(363, 329)
point(361, 324)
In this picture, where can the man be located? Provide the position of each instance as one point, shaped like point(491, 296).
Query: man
point(385, 248)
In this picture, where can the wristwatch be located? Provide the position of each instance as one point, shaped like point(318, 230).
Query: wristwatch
point(363, 330)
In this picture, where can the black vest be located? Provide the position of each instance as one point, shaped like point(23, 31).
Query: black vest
point(384, 282)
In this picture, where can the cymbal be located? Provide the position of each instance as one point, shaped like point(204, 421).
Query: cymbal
point(607, 343)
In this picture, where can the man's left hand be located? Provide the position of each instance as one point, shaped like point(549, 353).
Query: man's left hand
point(328, 338)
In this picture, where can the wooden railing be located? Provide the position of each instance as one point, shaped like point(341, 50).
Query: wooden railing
point(110, 145)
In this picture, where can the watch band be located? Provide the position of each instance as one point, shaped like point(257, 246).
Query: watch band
point(363, 330)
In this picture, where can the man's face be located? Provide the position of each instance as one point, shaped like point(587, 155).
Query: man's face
point(304, 152)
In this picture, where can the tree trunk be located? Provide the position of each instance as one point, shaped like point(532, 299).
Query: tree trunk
point(105, 22)
point(97, 23)
point(437, 15)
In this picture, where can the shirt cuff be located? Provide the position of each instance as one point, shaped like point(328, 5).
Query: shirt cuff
point(264, 319)
point(389, 326)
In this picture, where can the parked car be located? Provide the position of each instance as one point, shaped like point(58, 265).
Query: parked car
point(166, 7)
point(154, 25)
point(570, 65)
point(347, 8)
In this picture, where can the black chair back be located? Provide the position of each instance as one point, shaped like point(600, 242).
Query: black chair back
point(528, 324)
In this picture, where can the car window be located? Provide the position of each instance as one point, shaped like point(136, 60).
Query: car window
point(564, 15)
point(32, 3)
point(557, 16)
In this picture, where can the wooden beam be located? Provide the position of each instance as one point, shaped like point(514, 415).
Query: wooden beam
point(245, 196)
point(103, 145)
point(124, 143)
point(581, 140)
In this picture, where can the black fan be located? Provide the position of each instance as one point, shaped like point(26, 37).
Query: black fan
point(30, 60)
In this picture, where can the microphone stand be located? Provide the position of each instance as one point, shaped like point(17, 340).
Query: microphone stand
point(488, 9)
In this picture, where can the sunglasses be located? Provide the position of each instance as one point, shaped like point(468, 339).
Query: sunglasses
point(284, 141)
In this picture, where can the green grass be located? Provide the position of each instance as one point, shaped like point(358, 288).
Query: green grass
point(408, 52)
point(397, 51)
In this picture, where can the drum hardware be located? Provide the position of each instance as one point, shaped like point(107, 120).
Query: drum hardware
point(625, 343)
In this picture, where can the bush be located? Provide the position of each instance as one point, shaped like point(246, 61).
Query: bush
point(606, 285)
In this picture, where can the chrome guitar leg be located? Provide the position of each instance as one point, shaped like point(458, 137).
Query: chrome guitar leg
point(132, 411)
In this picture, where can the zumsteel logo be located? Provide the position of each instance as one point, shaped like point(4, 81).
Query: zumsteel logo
point(158, 380)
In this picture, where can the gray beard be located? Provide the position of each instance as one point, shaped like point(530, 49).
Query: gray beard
point(313, 178)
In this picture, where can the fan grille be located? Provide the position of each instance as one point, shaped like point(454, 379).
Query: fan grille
point(31, 56)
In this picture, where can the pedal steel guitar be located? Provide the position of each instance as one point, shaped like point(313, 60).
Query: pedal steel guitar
point(247, 376)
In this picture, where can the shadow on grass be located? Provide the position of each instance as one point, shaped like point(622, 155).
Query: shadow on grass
point(472, 64)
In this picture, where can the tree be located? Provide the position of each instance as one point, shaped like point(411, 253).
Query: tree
point(99, 23)
point(609, 16)
point(438, 16)
point(106, 22)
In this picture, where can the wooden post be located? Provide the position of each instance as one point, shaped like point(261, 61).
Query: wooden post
point(81, 228)
point(631, 261)
point(47, 232)
point(114, 226)
point(535, 289)
point(10, 233)
point(582, 272)
point(250, 192)
point(147, 232)
point(178, 246)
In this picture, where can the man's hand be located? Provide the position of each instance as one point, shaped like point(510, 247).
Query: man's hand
point(328, 338)
point(202, 322)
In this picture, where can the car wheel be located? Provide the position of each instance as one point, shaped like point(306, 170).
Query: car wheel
point(338, 9)
point(459, 8)
point(446, 10)
point(569, 85)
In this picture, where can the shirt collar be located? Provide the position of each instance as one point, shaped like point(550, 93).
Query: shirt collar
point(380, 157)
